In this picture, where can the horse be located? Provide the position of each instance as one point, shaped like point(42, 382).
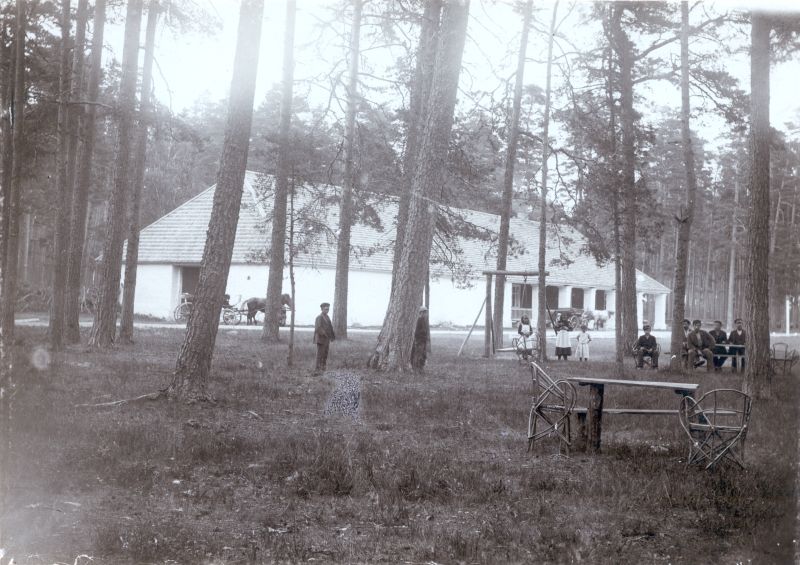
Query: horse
point(255, 305)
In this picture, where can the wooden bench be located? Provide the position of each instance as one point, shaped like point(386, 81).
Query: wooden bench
point(591, 419)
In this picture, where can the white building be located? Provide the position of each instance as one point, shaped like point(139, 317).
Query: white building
point(172, 247)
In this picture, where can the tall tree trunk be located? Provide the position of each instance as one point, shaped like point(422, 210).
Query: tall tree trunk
point(7, 382)
point(541, 322)
point(418, 102)
point(346, 212)
point(145, 109)
point(278, 240)
point(684, 217)
point(61, 221)
point(626, 299)
point(105, 318)
point(194, 359)
point(419, 94)
point(5, 367)
point(9, 282)
point(730, 317)
point(508, 175)
point(757, 278)
point(394, 343)
point(8, 139)
point(83, 180)
point(292, 285)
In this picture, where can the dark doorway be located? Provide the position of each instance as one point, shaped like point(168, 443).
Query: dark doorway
point(189, 278)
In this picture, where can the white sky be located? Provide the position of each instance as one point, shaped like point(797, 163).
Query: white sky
point(194, 66)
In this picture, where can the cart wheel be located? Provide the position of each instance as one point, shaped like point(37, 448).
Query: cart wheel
point(182, 312)
point(231, 317)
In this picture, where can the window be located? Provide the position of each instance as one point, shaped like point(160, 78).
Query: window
point(521, 301)
point(576, 300)
point(600, 300)
point(552, 297)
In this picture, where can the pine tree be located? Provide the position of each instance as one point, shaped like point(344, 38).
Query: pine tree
point(194, 359)
point(145, 109)
point(105, 319)
point(278, 239)
point(346, 211)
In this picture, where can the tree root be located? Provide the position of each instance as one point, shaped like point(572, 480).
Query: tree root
point(150, 396)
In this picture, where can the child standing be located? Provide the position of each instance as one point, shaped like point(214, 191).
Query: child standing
point(563, 348)
point(582, 351)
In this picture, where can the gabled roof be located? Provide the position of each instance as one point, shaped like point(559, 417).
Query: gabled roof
point(179, 238)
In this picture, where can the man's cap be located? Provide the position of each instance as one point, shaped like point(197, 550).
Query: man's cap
point(325, 305)
point(717, 322)
point(696, 322)
point(686, 321)
point(737, 321)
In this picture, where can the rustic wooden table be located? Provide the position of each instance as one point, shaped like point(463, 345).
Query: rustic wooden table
point(594, 412)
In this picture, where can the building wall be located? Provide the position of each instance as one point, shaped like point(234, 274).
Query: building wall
point(154, 284)
point(158, 293)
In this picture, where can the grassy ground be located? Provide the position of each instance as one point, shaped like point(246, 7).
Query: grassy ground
point(434, 470)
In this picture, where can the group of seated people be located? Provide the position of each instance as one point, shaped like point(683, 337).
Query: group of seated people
point(698, 345)
point(711, 346)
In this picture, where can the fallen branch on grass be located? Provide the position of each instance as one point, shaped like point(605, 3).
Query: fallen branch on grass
point(150, 396)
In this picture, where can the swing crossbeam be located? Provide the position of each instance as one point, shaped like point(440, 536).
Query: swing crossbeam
point(488, 341)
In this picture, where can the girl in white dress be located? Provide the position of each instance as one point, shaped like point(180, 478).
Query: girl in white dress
point(582, 351)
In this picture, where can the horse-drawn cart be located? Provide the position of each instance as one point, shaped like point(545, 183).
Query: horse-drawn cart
point(232, 315)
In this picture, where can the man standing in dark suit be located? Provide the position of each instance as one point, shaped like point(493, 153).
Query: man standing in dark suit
point(700, 343)
point(720, 337)
point(737, 338)
point(323, 336)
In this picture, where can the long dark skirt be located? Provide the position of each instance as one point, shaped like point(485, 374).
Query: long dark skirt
point(565, 351)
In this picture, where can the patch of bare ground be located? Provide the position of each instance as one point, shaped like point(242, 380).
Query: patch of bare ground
point(434, 468)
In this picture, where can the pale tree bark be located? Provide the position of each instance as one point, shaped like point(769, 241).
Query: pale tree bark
point(7, 382)
point(686, 216)
point(730, 317)
point(273, 307)
point(418, 98)
point(105, 318)
point(83, 180)
point(626, 295)
point(346, 212)
point(61, 221)
point(393, 350)
point(193, 366)
point(757, 378)
point(9, 282)
point(145, 110)
point(8, 137)
point(292, 285)
point(508, 175)
point(541, 322)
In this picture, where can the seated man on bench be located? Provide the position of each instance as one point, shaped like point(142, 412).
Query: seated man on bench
point(646, 347)
point(700, 344)
point(720, 337)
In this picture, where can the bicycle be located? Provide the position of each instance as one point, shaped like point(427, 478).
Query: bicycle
point(182, 310)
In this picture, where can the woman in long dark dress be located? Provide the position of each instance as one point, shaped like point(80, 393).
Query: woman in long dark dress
point(563, 346)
